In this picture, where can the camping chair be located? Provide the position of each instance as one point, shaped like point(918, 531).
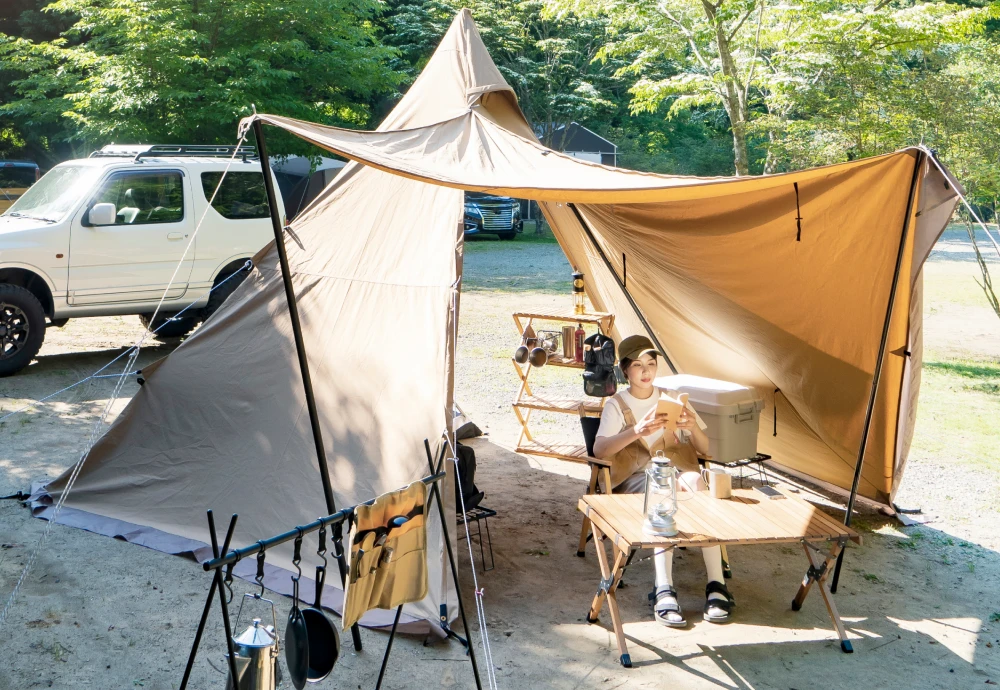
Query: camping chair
point(600, 471)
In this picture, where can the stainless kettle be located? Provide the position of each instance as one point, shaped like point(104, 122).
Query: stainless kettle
point(256, 653)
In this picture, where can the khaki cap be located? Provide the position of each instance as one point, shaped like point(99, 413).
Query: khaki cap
point(635, 346)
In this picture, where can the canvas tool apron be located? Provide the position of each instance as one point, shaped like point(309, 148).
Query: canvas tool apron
point(388, 565)
point(635, 456)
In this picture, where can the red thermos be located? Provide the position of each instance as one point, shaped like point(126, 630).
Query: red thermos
point(580, 335)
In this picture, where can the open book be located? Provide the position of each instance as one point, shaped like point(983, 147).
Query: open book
point(672, 407)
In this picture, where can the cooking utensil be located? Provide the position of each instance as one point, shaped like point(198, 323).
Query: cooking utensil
point(296, 634)
point(256, 653)
point(324, 640)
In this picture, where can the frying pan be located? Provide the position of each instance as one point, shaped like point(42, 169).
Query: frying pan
point(324, 640)
point(296, 635)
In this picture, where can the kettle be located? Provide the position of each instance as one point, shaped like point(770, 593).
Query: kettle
point(256, 653)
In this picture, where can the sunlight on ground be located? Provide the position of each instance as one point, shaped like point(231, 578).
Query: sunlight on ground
point(959, 635)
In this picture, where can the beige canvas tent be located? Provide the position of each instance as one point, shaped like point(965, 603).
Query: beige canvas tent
point(780, 282)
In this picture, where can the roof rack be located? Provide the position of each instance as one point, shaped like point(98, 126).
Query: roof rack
point(164, 150)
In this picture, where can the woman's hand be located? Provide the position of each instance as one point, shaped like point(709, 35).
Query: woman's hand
point(650, 423)
point(686, 420)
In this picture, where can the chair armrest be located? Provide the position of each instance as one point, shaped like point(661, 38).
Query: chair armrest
point(591, 460)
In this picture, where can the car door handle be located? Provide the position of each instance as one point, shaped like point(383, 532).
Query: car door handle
point(175, 236)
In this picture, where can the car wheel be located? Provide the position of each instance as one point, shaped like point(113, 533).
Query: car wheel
point(166, 326)
point(22, 328)
point(221, 292)
point(507, 235)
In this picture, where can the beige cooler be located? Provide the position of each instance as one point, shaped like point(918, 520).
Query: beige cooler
point(731, 411)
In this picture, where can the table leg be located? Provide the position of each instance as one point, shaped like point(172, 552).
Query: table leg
point(581, 549)
point(818, 570)
point(609, 583)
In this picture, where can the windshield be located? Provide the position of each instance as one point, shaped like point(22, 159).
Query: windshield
point(55, 195)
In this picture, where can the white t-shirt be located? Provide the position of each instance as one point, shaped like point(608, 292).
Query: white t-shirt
point(613, 421)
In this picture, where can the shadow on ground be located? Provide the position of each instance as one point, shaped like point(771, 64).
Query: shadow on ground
point(902, 607)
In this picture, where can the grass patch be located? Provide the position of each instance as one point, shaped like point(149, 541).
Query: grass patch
point(959, 406)
point(954, 283)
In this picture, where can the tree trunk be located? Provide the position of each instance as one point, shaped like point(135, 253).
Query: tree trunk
point(733, 94)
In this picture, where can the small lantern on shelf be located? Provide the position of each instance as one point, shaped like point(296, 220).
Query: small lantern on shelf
point(660, 501)
point(578, 294)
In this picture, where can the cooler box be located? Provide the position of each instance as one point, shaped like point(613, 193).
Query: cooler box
point(731, 411)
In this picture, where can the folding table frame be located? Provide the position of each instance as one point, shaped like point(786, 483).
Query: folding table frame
point(745, 519)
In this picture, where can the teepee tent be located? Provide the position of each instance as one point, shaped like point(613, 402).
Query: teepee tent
point(782, 282)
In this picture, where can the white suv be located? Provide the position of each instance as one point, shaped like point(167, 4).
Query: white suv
point(103, 235)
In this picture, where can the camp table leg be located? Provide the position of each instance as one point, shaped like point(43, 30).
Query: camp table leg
point(609, 583)
point(818, 570)
point(581, 549)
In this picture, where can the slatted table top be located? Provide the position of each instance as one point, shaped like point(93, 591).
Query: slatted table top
point(746, 518)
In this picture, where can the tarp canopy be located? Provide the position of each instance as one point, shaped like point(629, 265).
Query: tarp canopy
point(780, 282)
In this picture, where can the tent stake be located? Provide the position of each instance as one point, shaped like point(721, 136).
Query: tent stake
point(300, 349)
point(628, 296)
point(878, 362)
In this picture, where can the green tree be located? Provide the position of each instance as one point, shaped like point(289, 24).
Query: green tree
point(185, 71)
point(772, 66)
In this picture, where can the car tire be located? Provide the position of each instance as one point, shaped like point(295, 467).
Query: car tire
point(507, 235)
point(22, 328)
point(220, 293)
point(165, 327)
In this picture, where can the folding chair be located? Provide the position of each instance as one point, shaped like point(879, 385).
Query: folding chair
point(600, 472)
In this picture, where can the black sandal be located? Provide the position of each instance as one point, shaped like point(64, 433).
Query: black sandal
point(661, 609)
point(726, 604)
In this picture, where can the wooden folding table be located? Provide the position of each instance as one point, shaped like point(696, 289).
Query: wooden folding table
point(747, 518)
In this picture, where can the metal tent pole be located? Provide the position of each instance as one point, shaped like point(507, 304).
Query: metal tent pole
point(878, 362)
point(628, 296)
point(300, 349)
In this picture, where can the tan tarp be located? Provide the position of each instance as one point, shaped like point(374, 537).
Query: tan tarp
point(779, 282)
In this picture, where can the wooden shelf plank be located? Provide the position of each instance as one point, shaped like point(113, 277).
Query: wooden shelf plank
point(563, 451)
point(592, 406)
point(594, 317)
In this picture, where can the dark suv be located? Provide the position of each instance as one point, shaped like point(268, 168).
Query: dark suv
point(492, 215)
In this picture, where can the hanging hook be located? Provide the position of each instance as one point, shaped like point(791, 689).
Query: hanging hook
point(297, 554)
point(260, 569)
point(321, 550)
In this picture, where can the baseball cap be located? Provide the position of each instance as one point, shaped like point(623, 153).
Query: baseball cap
point(635, 346)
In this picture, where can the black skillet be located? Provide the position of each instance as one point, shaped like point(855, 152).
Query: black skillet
point(324, 640)
point(296, 634)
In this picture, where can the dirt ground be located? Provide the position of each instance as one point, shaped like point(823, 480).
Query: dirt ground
point(921, 603)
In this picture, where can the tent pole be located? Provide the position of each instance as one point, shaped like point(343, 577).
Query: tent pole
point(300, 349)
point(628, 296)
point(878, 362)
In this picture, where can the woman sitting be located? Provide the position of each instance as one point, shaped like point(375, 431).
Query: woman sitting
point(630, 434)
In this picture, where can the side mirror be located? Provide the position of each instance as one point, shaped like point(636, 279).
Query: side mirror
point(103, 214)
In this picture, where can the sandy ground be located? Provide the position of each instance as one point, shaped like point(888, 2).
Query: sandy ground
point(921, 603)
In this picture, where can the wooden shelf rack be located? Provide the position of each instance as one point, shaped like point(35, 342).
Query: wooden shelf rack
point(528, 401)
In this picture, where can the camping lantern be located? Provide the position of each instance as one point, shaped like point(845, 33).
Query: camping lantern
point(660, 501)
point(578, 293)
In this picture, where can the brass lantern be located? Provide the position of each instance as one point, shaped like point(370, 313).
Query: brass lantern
point(659, 504)
point(578, 294)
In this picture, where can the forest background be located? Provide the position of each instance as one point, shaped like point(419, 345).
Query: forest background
point(681, 86)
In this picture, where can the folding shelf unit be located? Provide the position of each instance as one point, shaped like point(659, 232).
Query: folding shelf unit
point(528, 401)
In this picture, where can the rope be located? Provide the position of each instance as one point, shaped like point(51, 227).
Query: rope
point(98, 428)
point(194, 234)
point(479, 592)
point(97, 374)
point(95, 432)
point(480, 605)
point(968, 206)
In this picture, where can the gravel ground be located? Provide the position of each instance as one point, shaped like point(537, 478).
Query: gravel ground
point(918, 601)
